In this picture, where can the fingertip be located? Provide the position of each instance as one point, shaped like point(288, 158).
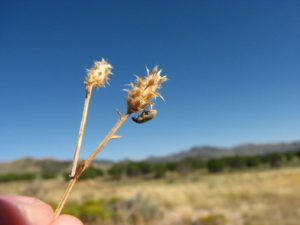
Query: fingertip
point(10, 214)
point(67, 220)
point(24, 210)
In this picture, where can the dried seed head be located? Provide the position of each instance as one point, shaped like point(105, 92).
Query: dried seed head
point(140, 96)
point(97, 76)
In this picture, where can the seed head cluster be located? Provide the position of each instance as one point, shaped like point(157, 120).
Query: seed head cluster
point(144, 90)
point(97, 76)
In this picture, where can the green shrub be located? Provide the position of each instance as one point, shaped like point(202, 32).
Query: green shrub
point(172, 166)
point(93, 211)
point(298, 154)
point(236, 162)
point(89, 211)
point(159, 170)
point(17, 177)
point(275, 160)
point(132, 169)
point(289, 156)
point(116, 171)
point(144, 167)
point(215, 165)
point(253, 161)
point(91, 173)
point(48, 175)
point(213, 219)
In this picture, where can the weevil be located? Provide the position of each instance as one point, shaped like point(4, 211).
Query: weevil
point(145, 115)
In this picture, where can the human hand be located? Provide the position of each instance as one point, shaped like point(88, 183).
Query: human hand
point(21, 210)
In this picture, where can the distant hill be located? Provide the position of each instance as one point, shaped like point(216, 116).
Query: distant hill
point(30, 165)
point(208, 152)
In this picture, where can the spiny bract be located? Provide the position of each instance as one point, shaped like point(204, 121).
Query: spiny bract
point(98, 75)
point(141, 94)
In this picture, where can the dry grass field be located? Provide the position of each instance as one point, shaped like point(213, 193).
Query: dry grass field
point(268, 197)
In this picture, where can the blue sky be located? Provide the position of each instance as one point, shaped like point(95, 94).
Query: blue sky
point(233, 67)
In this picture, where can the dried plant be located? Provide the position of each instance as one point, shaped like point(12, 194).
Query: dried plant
point(141, 94)
point(97, 77)
point(139, 100)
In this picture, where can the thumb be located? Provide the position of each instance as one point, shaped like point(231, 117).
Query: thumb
point(66, 220)
point(20, 210)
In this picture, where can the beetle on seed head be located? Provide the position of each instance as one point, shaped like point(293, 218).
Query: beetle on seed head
point(145, 115)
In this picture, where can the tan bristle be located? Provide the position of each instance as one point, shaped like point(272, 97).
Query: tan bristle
point(140, 96)
point(97, 76)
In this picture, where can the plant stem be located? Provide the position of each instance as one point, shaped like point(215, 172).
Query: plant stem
point(108, 137)
point(81, 130)
point(85, 164)
point(65, 197)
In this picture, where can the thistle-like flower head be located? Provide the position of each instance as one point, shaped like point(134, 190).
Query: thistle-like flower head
point(144, 91)
point(97, 76)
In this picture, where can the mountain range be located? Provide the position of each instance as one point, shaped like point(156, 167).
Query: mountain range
point(208, 152)
point(201, 152)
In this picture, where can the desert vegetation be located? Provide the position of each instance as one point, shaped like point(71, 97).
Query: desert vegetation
point(157, 170)
point(257, 196)
point(248, 190)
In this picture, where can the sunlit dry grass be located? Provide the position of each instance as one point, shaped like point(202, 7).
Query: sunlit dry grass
point(241, 198)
